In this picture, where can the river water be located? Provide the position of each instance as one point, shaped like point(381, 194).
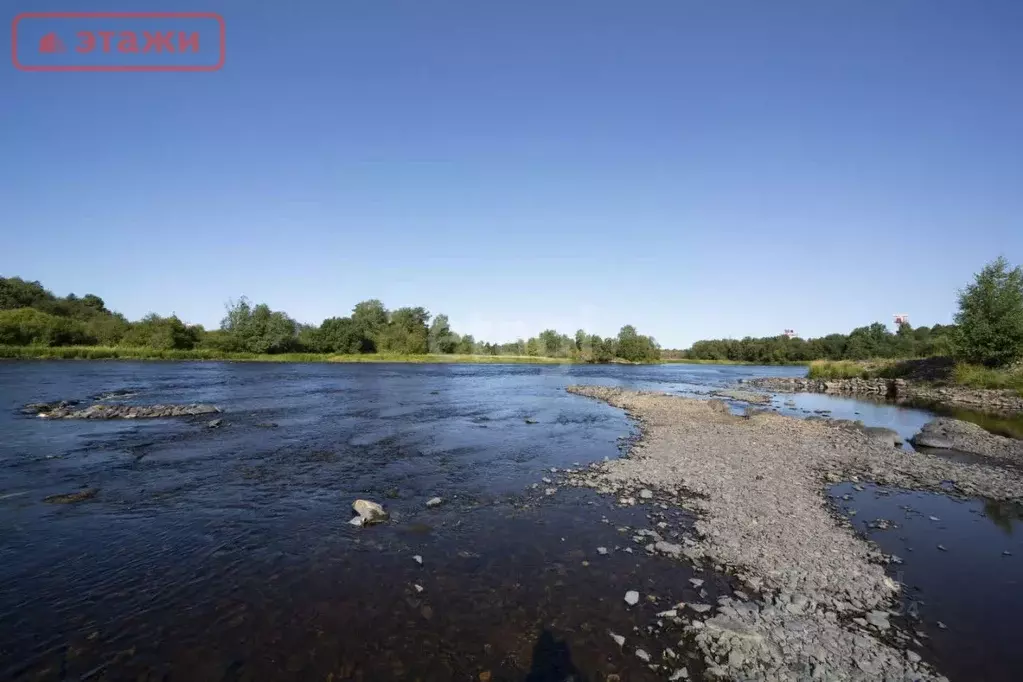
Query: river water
point(225, 554)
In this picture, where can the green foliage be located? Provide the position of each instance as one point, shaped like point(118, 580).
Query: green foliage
point(29, 314)
point(406, 332)
point(990, 317)
point(343, 335)
point(442, 339)
point(863, 343)
point(257, 329)
point(978, 376)
point(841, 369)
point(161, 333)
point(30, 327)
point(636, 348)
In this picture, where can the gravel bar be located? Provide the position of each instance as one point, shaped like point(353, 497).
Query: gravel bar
point(758, 486)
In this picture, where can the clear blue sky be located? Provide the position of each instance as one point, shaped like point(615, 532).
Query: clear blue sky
point(698, 169)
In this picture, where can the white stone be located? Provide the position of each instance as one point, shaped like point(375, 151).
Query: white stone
point(632, 597)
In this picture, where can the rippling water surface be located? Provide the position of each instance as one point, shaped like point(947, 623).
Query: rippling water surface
point(225, 553)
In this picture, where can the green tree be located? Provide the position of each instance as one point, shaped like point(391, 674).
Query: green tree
point(466, 345)
point(407, 332)
point(31, 327)
point(990, 317)
point(161, 333)
point(257, 329)
point(343, 335)
point(442, 339)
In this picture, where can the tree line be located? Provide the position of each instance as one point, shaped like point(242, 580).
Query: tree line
point(988, 331)
point(32, 315)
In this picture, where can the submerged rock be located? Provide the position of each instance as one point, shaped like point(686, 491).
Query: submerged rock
point(70, 498)
point(370, 512)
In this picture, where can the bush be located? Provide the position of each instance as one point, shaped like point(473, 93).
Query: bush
point(990, 317)
point(30, 327)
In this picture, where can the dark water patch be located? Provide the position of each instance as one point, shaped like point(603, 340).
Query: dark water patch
point(264, 605)
point(960, 562)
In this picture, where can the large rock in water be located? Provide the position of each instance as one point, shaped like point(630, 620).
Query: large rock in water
point(369, 512)
point(120, 411)
point(953, 434)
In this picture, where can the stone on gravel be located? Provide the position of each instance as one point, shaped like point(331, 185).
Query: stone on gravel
point(370, 512)
point(668, 548)
point(646, 494)
point(632, 597)
point(619, 640)
point(642, 655)
point(434, 502)
point(879, 619)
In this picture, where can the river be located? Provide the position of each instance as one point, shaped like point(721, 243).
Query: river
point(225, 553)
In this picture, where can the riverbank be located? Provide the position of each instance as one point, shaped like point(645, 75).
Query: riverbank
point(134, 353)
point(899, 390)
point(825, 607)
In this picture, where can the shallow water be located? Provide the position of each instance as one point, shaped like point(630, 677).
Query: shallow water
point(226, 554)
point(972, 584)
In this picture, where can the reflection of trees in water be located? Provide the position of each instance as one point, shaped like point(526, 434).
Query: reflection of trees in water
point(1003, 425)
point(1003, 514)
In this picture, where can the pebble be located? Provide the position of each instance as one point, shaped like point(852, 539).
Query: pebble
point(642, 655)
point(419, 588)
point(602, 551)
point(434, 502)
point(701, 608)
point(680, 674)
point(632, 597)
point(943, 548)
point(913, 657)
point(418, 559)
point(646, 494)
point(697, 582)
point(934, 518)
point(619, 640)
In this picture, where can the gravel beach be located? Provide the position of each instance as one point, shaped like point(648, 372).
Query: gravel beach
point(758, 486)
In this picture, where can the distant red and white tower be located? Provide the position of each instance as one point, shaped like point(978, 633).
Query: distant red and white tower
point(901, 318)
point(789, 333)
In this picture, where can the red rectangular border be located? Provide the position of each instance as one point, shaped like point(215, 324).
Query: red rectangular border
point(118, 15)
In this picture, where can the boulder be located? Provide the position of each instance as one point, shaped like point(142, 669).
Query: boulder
point(370, 512)
point(955, 434)
point(889, 436)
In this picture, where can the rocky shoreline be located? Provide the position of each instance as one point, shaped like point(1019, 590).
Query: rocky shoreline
point(821, 600)
point(897, 389)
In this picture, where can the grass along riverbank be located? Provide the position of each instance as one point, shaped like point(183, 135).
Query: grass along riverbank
point(135, 353)
point(939, 371)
